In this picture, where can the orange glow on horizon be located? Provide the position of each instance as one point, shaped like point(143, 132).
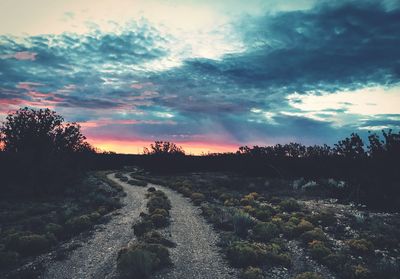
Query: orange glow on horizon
point(136, 146)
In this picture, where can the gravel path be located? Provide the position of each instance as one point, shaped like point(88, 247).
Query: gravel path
point(196, 255)
point(96, 258)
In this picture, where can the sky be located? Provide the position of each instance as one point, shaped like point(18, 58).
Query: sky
point(207, 75)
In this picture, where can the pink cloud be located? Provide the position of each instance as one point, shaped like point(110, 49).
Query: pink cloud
point(105, 122)
point(21, 55)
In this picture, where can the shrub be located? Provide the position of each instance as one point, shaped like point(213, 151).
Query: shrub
point(361, 272)
point(79, 224)
point(151, 189)
point(135, 263)
point(242, 222)
point(142, 227)
point(289, 229)
point(252, 273)
point(290, 205)
point(318, 250)
point(309, 275)
point(140, 260)
point(335, 261)
point(361, 246)
point(324, 218)
point(265, 231)
point(161, 211)
point(315, 234)
point(243, 254)
point(197, 198)
point(156, 238)
point(32, 244)
point(159, 220)
point(304, 226)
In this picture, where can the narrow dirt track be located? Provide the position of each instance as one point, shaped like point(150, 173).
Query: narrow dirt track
point(195, 255)
point(96, 258)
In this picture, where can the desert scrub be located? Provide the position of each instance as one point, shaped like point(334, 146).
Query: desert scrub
point(290, 205)
point(30, 244)
point(360, 246)
point(136, 182)
point(140, 260)
point(158, 199)
point(220, 217)
point(155, 237)
point(309, 275)
point(315, 234)
point(304, 226)
point(244, 254)
point(265, 231)
point(197, 198)
point(318, 250)
point(242, 222)
point(79, 224)
point(252, 273)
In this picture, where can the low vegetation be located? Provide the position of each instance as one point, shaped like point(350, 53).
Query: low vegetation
point(257, 218)
point(150, 252)
point(32, 227)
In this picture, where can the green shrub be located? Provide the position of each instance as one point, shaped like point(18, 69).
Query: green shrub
point(335, 261)
point(197, 198)
point(304, 226)
point(156, 238)
point(289, 229)
point(159, 220)
point(79, 224)
point(140, 260)
point(142, 227)
point(265, 231)
point(252, 273)
point(290, 205)
point(361, 272)
point(361, 246)
point(309, 275)
point(161, 211)
point(243, 254)
point(242, 222)
point(324, 218)
point(315, 234)
point(136, 263)
point(32, 244)
point(318, 250)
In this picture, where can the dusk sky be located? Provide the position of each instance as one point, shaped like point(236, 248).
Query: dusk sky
point(208, 75)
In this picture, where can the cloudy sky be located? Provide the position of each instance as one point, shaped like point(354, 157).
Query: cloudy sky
point(208, 75)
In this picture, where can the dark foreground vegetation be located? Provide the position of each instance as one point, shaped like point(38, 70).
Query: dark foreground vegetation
point(285, 228)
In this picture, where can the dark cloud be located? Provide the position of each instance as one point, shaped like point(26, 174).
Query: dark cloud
point(331, 47)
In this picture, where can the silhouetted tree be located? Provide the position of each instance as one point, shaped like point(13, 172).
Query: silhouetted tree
point(351, 148)
point(164, 148)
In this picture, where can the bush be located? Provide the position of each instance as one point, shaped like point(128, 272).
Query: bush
point(265, 231)
point(304, 226)
point(143, 227)
point(79, 224)
point(140, 260)
point(361, 272)
point(309, 275)
point(315, 234)
point(197, 198)
point(156, 238)
point(318, 250)
point(159, 220)
point(361, 246)
point(243, 254)
point(252, 273)
point(136, 263)
point(263, 213)
point(242, 222)
point(290, 205)
point(151, 189)
point(324, 218)
point(32, 244)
